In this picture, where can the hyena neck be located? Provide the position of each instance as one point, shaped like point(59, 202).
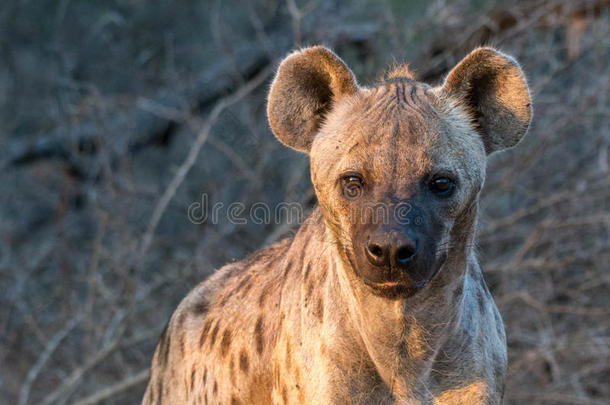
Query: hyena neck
point(402, 337)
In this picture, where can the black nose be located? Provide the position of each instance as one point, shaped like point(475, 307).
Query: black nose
point(383, 249)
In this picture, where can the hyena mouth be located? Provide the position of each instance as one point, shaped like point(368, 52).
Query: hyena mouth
point(393, 289)
point(405, 283)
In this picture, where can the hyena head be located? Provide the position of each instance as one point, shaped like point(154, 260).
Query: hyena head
point(397, 166)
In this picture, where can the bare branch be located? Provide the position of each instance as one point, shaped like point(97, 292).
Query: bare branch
point(115, 389)
point(46, 354)
point(194, 150)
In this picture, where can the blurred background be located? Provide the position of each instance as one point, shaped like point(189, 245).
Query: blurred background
point(116, 116)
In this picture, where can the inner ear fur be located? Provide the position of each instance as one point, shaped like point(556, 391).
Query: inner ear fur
point(305, 87)
point(493, 89)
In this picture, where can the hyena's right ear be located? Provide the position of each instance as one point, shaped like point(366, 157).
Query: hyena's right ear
point(307, 84)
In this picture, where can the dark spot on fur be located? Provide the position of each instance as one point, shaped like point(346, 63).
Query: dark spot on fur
point(309, 289)
point(214, 333)
point(243, 361)
point(287, 268)
point(200, 307)
point(258, 335)
point(180, 320)
point(243, 282)
point(205, 375)
point(182, 345)
point(319, 310)
point(225, 298)
point(164, 345)
point(234, 401)
point(215, 390)
point(192, 379)
point(204, 332)
point(225, 343)
point(264, 293)
point(307, 270)
point(246, 288)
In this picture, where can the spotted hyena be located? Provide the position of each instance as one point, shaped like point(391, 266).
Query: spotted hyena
point(378, 298)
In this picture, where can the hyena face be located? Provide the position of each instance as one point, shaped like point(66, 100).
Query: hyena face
point(393, 168)
point(395, 165)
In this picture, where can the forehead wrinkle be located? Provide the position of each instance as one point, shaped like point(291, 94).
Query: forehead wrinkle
point(362, 126)
point(390, 155)
point(404, 134)
point(374, 102)
point(397, 98)
point(422, 101)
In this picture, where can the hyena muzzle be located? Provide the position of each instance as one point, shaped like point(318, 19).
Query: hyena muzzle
point(378, 298)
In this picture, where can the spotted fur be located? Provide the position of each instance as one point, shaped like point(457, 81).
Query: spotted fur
point(294, 322)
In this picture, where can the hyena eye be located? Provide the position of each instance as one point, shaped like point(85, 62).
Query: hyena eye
point(442, 186)
point(351, 185)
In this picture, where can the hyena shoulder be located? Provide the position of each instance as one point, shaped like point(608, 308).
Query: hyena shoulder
point(215, 303)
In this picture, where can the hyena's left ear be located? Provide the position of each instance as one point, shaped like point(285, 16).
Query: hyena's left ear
point(307, 85)
point(493, 88)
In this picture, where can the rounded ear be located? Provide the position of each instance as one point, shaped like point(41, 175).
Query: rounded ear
point(493, 89)
point(307, 84)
